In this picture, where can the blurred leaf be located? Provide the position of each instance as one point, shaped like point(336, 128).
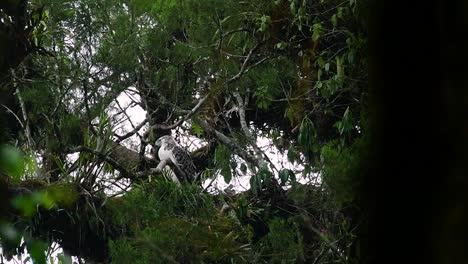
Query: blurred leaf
point(254, 184)
point(340, 12)
point(25, 204)
point(292, 177)
point(285, 175)
point(37, 250)
point(11, 162)
point(306, 171)
point(316, 31)
point(9, 233)
point(264, 23)
point(334, 20)
point(62, 193)
point(292, 155)
point(64, 259)
point(351, 54)
point(281, 45)
point(345, 125)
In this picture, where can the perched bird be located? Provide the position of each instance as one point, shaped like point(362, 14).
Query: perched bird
point(171, 153)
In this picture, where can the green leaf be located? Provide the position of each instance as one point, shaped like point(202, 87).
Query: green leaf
point(9, 233)
point(351, 56)
point(340, 12)
point(197, 129)
point(286, 174)
point(64, 259)
point(227, 175)
point(345, 125)
point(320, 61)
point(26, 204)
point(307, 137)
point(306, 171)
point(11, 162)
point(265, 22)
point(254, 186)
point(264, 175)
point(281, 45)
point(316, 31)
point(292, 155)
point(292, 177)
point(334, 20)
point(37, 250)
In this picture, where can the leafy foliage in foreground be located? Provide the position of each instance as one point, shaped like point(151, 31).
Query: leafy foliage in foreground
point(165, 223)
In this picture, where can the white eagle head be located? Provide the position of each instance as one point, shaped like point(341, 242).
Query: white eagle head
point(164, 140)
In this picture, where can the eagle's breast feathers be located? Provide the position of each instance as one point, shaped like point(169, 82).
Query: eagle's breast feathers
point(170, 151)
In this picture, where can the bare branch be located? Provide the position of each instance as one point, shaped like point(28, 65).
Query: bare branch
point(103, 157)
point(31, 142)
point(244, 69)
point(241, 109)
point(13, 113)
point(131, 133)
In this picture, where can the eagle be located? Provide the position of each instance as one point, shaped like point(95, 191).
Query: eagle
point(171, 153)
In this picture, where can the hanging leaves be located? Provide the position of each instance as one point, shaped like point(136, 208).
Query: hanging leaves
point(345, 125)
point(261, 179)
point(307, 138)
point(286, 175)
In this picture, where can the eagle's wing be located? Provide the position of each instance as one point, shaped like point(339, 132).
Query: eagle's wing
point(184, 162)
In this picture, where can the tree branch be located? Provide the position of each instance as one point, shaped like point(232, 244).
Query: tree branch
point(131, 133)
point(243, 68)
point(245, 128)
point(230, 143)
point(176, 124)
point(103, 157)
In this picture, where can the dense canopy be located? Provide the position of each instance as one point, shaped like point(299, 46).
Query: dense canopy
point(272, 92)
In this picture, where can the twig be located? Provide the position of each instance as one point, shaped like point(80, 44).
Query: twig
point(209, 184)
point(102, 156)
point(131, 133)
point(25, 118)
point(11, 112)
point(176, 124)
point(244, 64)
